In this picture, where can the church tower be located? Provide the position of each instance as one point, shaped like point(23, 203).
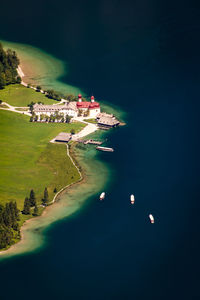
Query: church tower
point(79, 98)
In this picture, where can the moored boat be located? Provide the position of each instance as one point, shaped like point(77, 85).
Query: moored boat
point(102, 196)
point(151, 218)
point(105, 149)
point(132, 199)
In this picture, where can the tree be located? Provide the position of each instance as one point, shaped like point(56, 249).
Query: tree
point(46, 196)
point(55, 190)
point(26, 210)
point(6, 236)
point(68, 119)
point(9, 215)
point(18, 79)
point(51, 118)
point(53, 95)
point(16, 226)
point(86, 113)
point(2, 81)
point(12, 58)
point(46, 118)
point(16, 211)
point(42, 116)
point(31, 106)
point(38, 88)
point(80, 112)
point(70, 97)
point(72, 131)
point(32, 198)
point(35, 212)
point(8, 67)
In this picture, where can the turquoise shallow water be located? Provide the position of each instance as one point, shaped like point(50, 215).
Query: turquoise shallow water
point(42, 68)
point(144, 58)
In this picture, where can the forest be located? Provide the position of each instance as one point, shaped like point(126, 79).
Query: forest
point(8, 67)
point(9, 227)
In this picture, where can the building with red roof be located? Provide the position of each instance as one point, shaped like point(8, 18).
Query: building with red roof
point(92, 109)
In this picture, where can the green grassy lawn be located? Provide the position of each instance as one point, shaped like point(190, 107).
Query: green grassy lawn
point(28, 161)
point(93, 121)
point(22, 109)
point(18, 95)
point(3, 106)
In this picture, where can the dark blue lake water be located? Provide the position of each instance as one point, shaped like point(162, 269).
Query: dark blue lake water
point(143, 56)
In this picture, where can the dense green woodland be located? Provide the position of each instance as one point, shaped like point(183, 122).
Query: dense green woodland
point(9, 227)
point(10, 217)
point(8, 67)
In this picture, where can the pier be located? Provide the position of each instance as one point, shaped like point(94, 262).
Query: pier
point(92, 142)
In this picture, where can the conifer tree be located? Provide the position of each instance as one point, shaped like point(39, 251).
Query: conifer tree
point(8, 223)
point(8, 67)
point(7, 217)
point(46, 196)
point(32, 198)
point(26, 210)
point(6, 236)
point(35, 212)
point(55, 190)
point(16, 210)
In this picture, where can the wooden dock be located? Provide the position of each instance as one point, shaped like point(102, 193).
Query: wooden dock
point(103, 127)
point(92, 142)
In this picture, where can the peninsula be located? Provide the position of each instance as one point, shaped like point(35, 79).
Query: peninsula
point(33, 170)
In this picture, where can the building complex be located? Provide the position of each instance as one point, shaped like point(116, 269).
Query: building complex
point(72, 109)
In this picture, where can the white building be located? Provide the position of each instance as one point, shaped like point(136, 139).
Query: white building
point(92, 108)
point(68, 109)
point(72, 109)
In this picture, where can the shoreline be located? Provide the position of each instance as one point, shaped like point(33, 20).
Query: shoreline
point(41, 68)
point(67, 203)
point(69, 200)
point(12, 248)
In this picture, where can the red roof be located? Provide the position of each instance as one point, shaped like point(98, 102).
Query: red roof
point(94, 105)
point(79, 95)
point(89, 105)
point(92, 97)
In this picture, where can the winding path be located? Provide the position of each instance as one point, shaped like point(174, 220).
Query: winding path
point(14, 109)
point(81, 177)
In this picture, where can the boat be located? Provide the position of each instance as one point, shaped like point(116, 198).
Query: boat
point(151, 218)
point(105, 149)
point(102, 196)
point(132, 199)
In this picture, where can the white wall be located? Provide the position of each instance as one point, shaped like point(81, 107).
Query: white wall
point(94, 112)
point(66, 112)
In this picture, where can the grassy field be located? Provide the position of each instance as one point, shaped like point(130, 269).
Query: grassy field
point(28, 161)
point(3, 106)
point(18, 95)
point(93, 121)
point(22, 109)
